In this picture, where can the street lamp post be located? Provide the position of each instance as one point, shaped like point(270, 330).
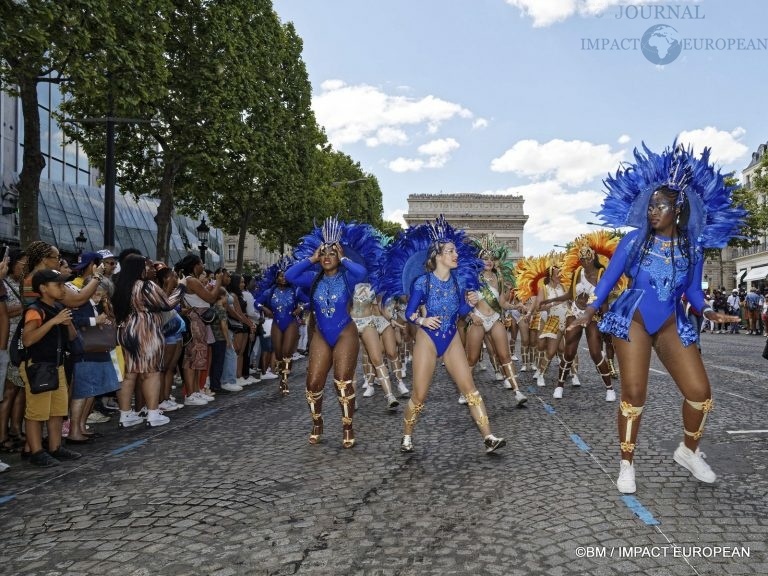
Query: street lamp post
point(202, 235)
point(81, 241)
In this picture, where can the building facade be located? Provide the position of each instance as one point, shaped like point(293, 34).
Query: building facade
point(71, 204)
point(477, 214)
point(255, 256)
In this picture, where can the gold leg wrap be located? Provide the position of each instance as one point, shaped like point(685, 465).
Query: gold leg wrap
point(543, 363)
point(477, 410)
point(631, 413)
point(383, 375)
point(565, 369)
point(346, 400)
point(494, 361)
point(411, 414)
point(285, 370)
point(397, 368)
point(614, 370)
point(705, 407)
point(604, 369)
point(575, 367)
point(509, 373)
point(315, 401)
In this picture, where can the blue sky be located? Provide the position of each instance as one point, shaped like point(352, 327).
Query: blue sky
point(498, 96)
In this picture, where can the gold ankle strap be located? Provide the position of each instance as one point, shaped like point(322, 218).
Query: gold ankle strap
point(706, 407)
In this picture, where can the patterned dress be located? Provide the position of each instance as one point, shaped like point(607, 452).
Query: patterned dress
point(141, 333)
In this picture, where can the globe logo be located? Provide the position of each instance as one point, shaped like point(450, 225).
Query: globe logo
point(661, 44)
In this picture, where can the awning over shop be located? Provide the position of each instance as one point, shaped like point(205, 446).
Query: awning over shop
point(757, 273)
point(739, 276)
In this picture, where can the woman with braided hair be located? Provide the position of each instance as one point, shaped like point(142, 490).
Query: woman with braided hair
point(679, 205)
point(42, 256)
point(335, 342)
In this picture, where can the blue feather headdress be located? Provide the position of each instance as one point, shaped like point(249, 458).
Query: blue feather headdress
point(712, 220)
point(270, 274)
point(359, 242)
point(405, 259)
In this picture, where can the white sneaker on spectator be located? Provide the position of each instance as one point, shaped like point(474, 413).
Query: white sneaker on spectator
point(3, 466)
point(369, 391)
point(206, 397)
point(169, 405)
point(297, 356)
point(156, 418)
point(694, 462)
point(229, 387)
point(128, 419)
point(254, 379)
point(195, 400)
point(626, 480)
point(96, 417)
point(242, 382)
point(268, 375)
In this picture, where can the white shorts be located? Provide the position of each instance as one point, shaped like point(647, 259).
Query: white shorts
point(488, 320)
point(378, 322)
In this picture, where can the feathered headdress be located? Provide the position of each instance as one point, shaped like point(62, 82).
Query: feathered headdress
point(601, 243)
point(532, 271)
point(404, 260)
point(712, 221)
point(269, 280)
point(489, 247)
point(359, 242)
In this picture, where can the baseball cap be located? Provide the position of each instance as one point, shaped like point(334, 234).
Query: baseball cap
point(44, 277)
point(86, 258)
point(106, 254)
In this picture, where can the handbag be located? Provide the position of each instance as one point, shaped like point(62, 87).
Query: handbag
point(765, 349)
point(208, 317)
point(99, 338)
point(44, 376)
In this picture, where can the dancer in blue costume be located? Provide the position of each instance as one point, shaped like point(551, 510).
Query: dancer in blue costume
point(285, 303)
point(336, 342)
point(436, 300)
point(679, 205)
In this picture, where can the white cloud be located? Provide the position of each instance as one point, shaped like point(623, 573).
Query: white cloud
point(438, 153)
point(397, 216)
point(624, 138)
point(555, 215)
point(571, 162)
point(725, 145)
point(366, 113)
point(547, 12)
point(480, 123)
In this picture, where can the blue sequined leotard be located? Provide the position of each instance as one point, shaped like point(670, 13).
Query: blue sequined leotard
point(282, 302)
point(441, 298)
point(655, 290)
point(331, 297)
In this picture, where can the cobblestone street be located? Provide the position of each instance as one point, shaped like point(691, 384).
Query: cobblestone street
point(235, 488)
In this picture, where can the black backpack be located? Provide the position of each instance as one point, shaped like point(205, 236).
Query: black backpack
point(16, 350)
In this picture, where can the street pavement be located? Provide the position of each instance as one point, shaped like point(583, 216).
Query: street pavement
point(235, 488)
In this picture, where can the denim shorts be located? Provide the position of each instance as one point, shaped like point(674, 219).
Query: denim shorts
point(266, 344)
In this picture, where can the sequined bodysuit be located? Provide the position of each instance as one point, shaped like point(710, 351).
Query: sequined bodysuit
point(331, 297)
point(282, 302)
point(440, 298)
point(655, 290)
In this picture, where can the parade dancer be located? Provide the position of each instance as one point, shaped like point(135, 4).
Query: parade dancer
point(548, 299)
point(286, 304)
point(679, 205)
point(335, 342)
point(485, 318)
point(436, 300)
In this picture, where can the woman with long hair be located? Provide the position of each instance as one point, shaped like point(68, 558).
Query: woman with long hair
point(335, 341)
point(139, 304)
point(168, 281)
point(679, 205)
point(12, 405)
point(438, 268)
point(240, 325)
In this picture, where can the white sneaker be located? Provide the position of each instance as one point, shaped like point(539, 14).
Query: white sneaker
point(610, 395)
point(169, 405)
point(369, 391)
point(536, 374)
point(241, 382)
point(462, 400)
point(268, 375)
point(540, 381)
point(523, 368)
point(255, 379)
point(392, 402)
point(204, 396)
point(229, 387)
point(110, 403)
point(482, 367)
point(498, 376)
point(575, 382)
point(157, 419)
point(507, 384)
point(520, 398)
point(694, 462)
point(3, 466)
point(297, 356)
point(128, 419)
point(626, 481)
point(515, 358)
point(96, 417)
point(402, 389)
point(195, 400)
point(558, 393)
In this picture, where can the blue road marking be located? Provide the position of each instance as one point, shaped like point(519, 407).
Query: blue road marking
point(640, 511)
point(4, 499)
point(127, 447)
point(583, 446)
point(205, 413)
point(531, 389)
point(549, 409)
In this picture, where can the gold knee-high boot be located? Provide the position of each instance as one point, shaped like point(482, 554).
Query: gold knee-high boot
point(382, 374)
point(346, 393)
point(412, 411)
point(480, 416)
point(629, 424)
point(285, 371)
point(315, 401)
point(705, 408)
point(509, 373)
